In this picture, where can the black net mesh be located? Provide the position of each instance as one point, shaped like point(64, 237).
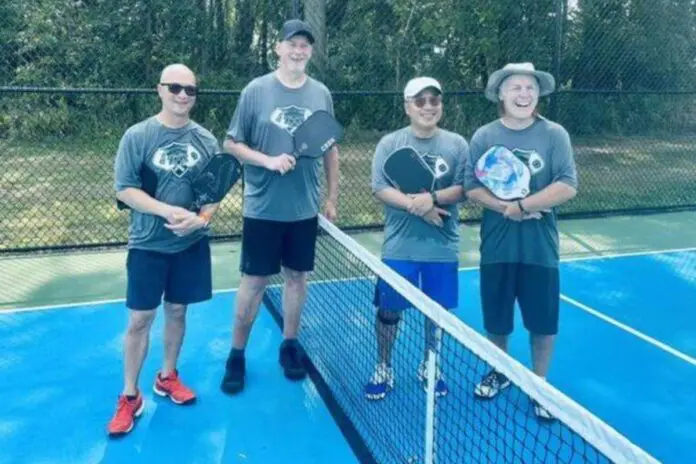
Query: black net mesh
point(339, 336)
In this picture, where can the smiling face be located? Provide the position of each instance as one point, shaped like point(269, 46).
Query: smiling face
point(177, 91)
point(294, 54)
point(425, 109)
point(519, 96)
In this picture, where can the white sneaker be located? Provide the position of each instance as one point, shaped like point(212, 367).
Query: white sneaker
point(440, 384)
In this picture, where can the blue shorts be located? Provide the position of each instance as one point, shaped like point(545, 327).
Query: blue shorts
point(183, 278)
point(440, 281)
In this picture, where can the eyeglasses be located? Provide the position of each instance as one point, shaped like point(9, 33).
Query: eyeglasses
point(176, 89)
point(435, 100)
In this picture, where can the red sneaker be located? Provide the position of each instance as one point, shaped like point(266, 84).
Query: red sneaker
point(172, 387)
point(126, 413)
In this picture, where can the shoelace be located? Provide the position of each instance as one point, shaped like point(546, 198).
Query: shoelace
point(491, 380)
point(381, 375)
point(123, 403)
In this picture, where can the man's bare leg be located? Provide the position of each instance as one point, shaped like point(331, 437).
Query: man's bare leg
point(247, 304)
point(174, 329)
point(136, 343)
point(294, 297)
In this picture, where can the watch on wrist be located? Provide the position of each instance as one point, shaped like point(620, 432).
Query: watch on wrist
point(434, 197)
point(519, 204)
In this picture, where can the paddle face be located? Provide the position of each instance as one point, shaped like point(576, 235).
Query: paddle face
point(505, 175)
point(317, 135)
point(215, 180)
point(407, 172)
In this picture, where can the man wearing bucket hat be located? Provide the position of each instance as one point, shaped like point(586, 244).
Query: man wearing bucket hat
point(421, 233)
point(519, 239)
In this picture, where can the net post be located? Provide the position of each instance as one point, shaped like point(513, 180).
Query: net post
point(433, 350)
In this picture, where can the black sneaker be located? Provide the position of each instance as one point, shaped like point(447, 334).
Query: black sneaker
point(233, 382)
point(291, 358)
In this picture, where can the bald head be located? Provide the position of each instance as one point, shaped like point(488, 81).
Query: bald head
point(179, 73)
point(177, 90)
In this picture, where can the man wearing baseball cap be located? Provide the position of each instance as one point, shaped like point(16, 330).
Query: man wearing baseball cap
point(281, 196)
point(421, 231)
point(295, 27)
point(519, 239)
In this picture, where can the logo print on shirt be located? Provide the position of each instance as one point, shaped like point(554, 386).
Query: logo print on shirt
point(531, 158)
point(438, 165)
point(176, 158)
point(290, 117)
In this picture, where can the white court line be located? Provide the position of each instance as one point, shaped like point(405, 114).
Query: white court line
point(123, 300)
point(84, 303)
point(464, 269)
point(628, 255)
point(610, 256)
point(631, 330)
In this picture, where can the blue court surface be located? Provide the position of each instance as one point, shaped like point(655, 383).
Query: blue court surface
point(625, 352)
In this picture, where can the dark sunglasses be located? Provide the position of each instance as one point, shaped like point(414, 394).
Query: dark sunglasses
point(176, 89)
point(434, 100)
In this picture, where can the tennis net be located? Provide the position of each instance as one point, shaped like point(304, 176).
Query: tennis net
point(411, 424)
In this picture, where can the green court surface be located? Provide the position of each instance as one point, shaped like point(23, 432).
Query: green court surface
point(74, 277)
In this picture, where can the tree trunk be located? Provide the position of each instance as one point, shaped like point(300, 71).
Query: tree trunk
point(315, 16)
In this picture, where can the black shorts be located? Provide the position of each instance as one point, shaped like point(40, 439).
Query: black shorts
point(183, 278)
point(536, 289)
point(266, 245)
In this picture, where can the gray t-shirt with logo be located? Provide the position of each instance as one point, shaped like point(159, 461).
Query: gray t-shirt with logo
point(265, 118)
point(409, 237)
point(175, 156)
point(546, 149)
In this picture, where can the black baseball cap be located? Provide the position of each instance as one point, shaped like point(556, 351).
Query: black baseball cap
point(295, 27)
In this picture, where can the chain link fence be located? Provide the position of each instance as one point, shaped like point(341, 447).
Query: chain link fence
point(74, 74)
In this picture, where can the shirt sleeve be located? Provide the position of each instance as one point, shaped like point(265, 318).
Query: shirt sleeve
point(128, 163)
point(476, 150)
point(329, 103)
point(242, 122)
point(462, 158)
point(563, 167)
point(379, 180)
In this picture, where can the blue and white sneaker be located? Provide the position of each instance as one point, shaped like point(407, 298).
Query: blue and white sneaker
point(440, 384)
point(381, 382)
point(493, 383)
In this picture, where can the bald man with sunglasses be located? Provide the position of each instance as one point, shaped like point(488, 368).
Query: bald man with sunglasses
point(168, 249)
point(421, 232)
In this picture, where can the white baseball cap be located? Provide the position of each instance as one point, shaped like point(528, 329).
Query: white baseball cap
point(418, 84)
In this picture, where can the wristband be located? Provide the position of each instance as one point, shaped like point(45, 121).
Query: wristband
point(206, 216)
point(519, 204)
point(434, 197)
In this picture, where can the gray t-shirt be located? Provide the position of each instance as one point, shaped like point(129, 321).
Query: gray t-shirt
point(265, 118)
point(409, 237)
point(545, 147)
point(175, 156)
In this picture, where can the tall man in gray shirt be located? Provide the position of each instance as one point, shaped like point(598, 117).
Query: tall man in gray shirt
point(421, 231)
point(168, 250)
point(281, 195)
point(519, 239)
